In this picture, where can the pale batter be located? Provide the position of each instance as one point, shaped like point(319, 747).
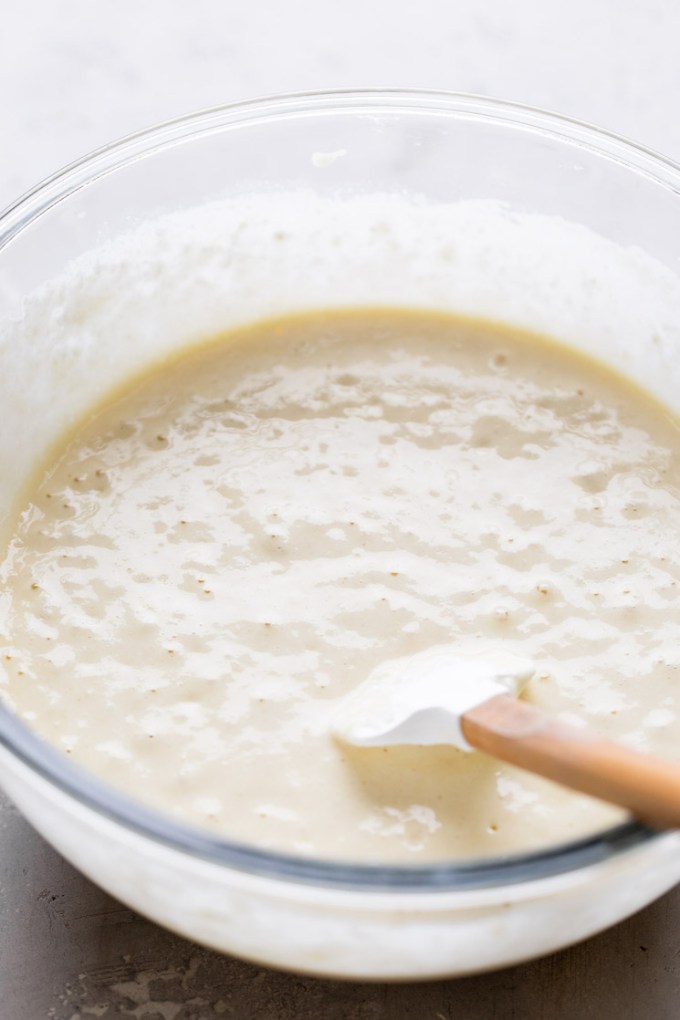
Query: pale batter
point(232, 544)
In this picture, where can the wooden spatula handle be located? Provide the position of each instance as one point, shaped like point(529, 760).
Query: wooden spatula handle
point(523, 735)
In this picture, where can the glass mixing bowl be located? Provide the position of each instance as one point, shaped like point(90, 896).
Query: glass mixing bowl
point(489, 208)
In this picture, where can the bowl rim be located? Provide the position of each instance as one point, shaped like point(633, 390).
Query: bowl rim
point(74, 781)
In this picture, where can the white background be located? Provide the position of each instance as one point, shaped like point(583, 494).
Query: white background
point(75, 74)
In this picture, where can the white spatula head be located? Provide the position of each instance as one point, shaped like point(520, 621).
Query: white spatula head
point(420, 700)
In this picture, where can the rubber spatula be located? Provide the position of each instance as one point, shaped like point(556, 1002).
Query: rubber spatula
point(441, 696)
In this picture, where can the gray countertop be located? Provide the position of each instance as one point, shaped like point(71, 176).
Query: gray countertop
point(75, 74)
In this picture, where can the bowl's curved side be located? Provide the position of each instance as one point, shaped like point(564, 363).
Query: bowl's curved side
point(340, 933)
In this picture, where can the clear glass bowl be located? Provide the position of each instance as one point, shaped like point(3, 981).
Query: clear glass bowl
point(318, 916)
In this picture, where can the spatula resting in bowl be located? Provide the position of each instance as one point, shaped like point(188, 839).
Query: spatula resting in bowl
point(471, 702)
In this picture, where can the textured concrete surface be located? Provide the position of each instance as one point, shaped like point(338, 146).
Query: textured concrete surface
point(75, 74)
